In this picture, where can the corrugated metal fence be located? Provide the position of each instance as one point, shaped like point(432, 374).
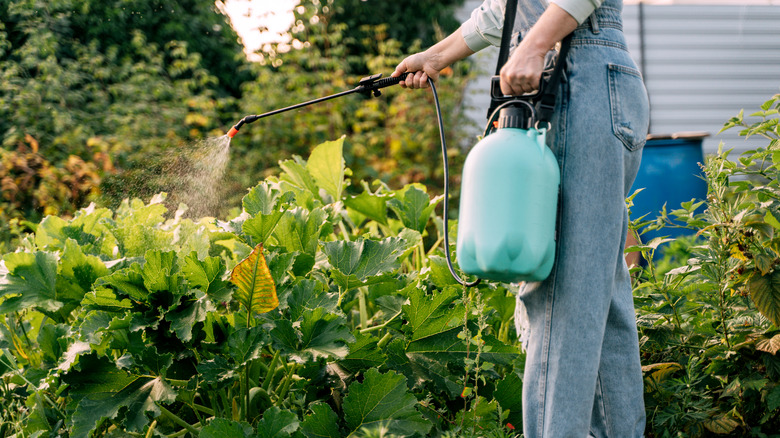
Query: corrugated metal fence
point(703, 63)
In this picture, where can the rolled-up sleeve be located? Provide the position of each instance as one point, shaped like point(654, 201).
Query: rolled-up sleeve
point(484, 26)
point(579, 9)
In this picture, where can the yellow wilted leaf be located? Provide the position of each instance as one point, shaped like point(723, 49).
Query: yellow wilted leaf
point(256, 288)
point(769, 345)
point(722, 424)
point(659, 371)
point(32, 142)
point(737, 254)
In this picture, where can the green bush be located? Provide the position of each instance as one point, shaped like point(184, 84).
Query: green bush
point(710, 328)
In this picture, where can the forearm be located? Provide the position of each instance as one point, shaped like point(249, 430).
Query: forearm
point(450, 49)
point(552, 26)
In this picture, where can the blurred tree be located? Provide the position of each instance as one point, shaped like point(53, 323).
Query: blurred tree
point(127, 86)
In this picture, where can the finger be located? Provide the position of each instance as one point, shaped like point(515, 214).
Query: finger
point(418, 79)
point(401, 68)
point(424, 80)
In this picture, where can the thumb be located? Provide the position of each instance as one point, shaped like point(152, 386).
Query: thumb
point(400, 69)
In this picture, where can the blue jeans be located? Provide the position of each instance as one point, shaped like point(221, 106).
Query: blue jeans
point(582, 374)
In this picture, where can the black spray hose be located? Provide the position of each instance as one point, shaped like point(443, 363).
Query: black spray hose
point(446, 165)
point(370, 86)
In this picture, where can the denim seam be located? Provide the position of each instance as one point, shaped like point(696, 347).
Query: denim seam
point(598, 42)
point(615, 103)
point(604, 415)
point(550, 299)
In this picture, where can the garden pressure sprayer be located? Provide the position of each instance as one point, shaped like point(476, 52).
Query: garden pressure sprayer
point(509, 188)
point(506, 226)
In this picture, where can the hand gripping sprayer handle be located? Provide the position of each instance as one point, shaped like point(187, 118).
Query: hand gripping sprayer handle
point(370, 86)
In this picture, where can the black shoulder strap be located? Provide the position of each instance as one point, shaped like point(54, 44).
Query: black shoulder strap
point(506, 34)
point(545, 106)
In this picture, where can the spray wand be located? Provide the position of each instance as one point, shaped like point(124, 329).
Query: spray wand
point(370, 86)
point(367, 86)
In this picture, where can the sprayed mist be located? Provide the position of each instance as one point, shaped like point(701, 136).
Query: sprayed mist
point(195, 178)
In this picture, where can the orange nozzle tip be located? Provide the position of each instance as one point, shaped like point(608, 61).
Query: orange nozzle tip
point(232, 133)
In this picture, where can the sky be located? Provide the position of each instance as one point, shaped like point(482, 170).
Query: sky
point(259, 22)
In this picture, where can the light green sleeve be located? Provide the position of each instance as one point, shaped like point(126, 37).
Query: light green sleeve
point(579, 9)
point(484, 26)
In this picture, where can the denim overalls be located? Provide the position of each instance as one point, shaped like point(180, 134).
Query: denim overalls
point(582, 371)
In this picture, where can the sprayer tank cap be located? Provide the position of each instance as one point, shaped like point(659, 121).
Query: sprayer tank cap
point(512, 117)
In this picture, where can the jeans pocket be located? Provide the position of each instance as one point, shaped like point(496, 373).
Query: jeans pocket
point(629, 105)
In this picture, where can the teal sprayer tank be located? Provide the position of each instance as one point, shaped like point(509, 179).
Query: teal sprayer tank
point(508, 204)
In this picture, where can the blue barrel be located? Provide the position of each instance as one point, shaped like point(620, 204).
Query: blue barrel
point(670, 174)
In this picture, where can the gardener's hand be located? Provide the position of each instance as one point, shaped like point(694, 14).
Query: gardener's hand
point(522, 73)
point(429, 63)
point(422, 66)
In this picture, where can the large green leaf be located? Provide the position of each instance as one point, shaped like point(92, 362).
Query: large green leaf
point(77, 271)
point(189, 312)
point(428, 315)
point(103, 391)
point(326, 166)
point(413, 206)
point(434, 323)
point(246, 344)
point(216, 370)
point(322, 423)
point(255, 286)
point(206, 275)
point(128, 282)
point(295, 173)
point(224, 428)
point(30, 282)
point(261, 199)
point(277, 423)
point(324, 334)
point(508, 394)
point(421, 369)
point(160, 272)
point(363, 354)
point(299, 229)
point(358, 260)
point(765, 291)
point(319, 334)
point(261, 227)
point(310, 295)
point(383, 400)
point(371, 205)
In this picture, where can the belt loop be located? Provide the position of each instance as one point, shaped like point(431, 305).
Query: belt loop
point(594, 23)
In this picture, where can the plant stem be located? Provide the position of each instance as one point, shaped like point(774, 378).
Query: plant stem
point(285, 385)
point(176, 382)
point(204, 409)
point(270, 373)
point(150, 432)
point(173, 417)
point(246, 391)
point(362, 306)
point(384, 341)
point(383, 325)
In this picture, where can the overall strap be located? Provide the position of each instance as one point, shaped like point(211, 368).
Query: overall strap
point(545, 106)
point(506, 34)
